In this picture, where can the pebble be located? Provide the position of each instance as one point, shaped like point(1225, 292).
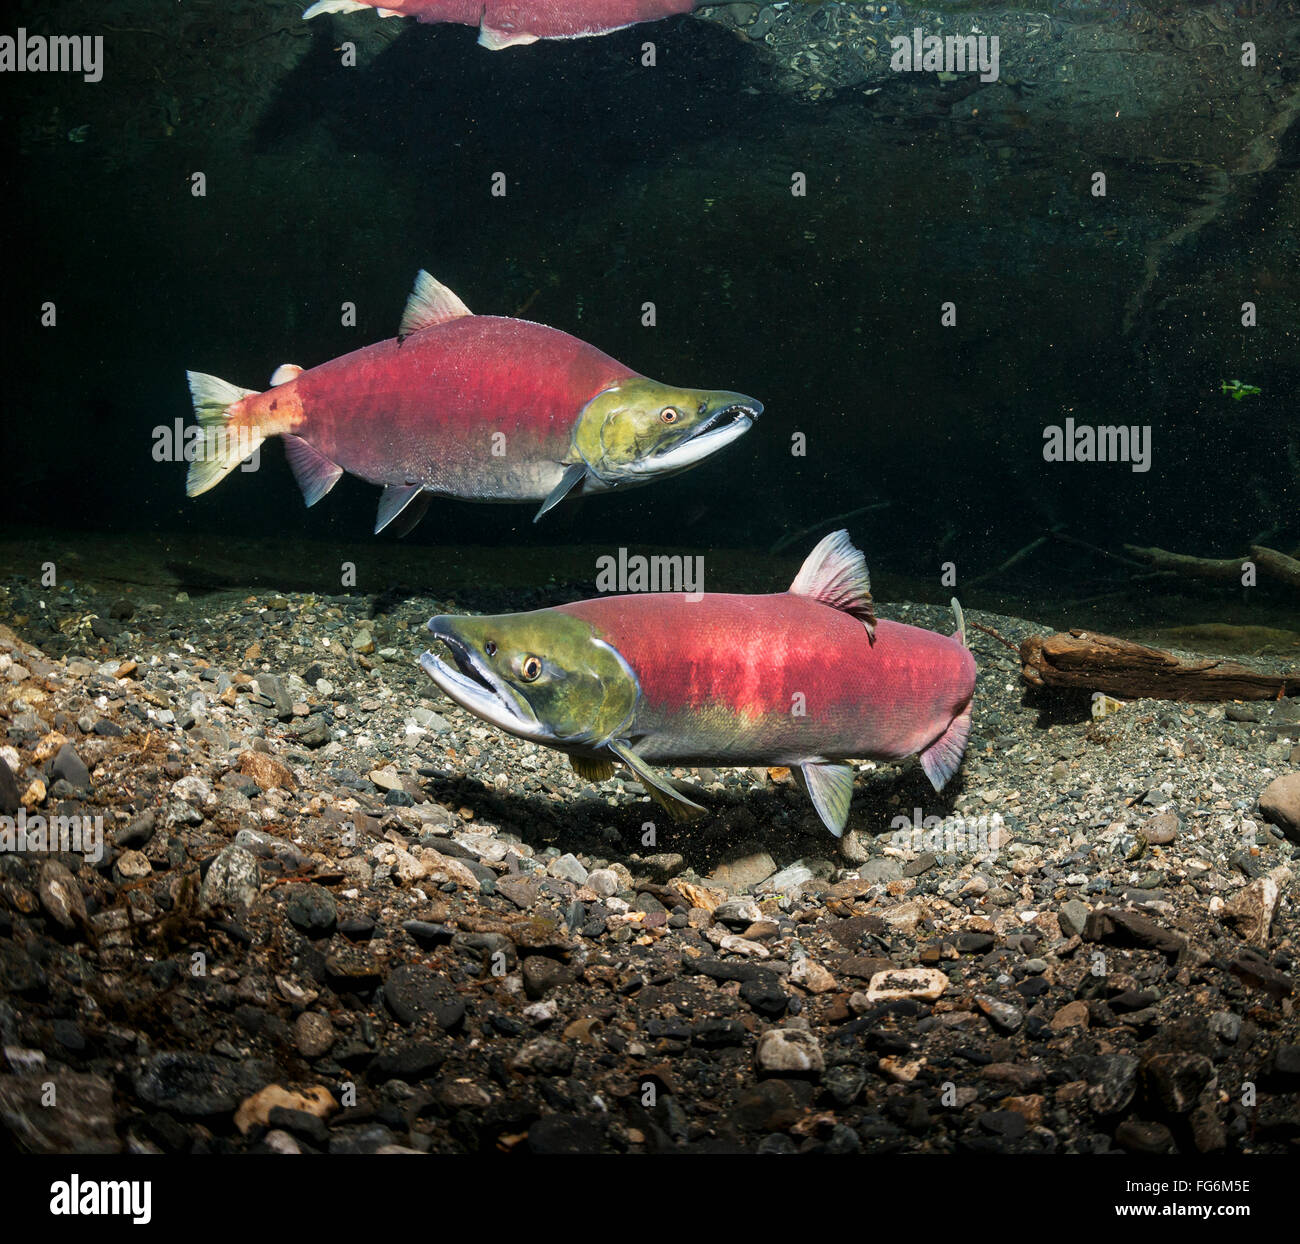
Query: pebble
point(788, 1051)
point(1280, 804)
point(895, 983)
point(70, 767)
point(233, 879)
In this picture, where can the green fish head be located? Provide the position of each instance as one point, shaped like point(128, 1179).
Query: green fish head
point(639, 429)
point(542, 676)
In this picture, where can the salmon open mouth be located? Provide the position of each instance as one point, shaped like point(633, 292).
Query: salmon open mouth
point(726, 424)
point(468, 681)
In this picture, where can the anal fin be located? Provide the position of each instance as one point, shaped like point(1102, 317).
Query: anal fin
point(315, 473)
point(830, 787)
point(943, 757)
point(395, 499)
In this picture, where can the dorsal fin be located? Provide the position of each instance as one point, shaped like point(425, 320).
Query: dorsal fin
point(835, 573)
point(430, 303)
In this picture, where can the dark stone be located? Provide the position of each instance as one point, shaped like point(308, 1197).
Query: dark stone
point(714, 1033)
point(1114, 1081)
point(300, 1123)
point(70, 767)
point(1008, 1124)
point(194, 1085)
point(412, 1063)
point(1120, 927)
point(10, 796)
point(1175, 1080)
point(413, 991)
point(1135, 1137)
point(107, 729)
point(765, 995)
point(565, 1133)
point(427, 934)
point(311, 909)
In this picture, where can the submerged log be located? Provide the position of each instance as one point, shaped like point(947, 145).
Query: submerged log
point(1270, 562)
point(1087, 661)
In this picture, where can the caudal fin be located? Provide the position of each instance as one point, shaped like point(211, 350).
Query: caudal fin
point(224, 445)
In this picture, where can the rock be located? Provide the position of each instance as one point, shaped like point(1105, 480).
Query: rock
point(1071, 1015)
point(788, 880)
point(1161, 829)
point(70, 767)
point(311, 909)
point(413, 991)
point(744, 872)
point(10, 799)
point(808, 974)
point(1073, 917)
point(569, 868)
point(313, 1034)
point(233, 880)
point(311, 731)
point(61, 896)
point(1177, 1079)
point(602, 881)
point(316, 1101)
point(1001, 1014)
point(1135, 1137)
point(737, 913)
point(543, 1056)
point(410, 1061)
point(1114, 1081)
point(1280, 804)
point(133, 865)
point(1225, 1025)
point(565, 1133)
point(1130, 928)
point(894, 983)
point(60, 1112)
point(1250, 911)
point(193, 1085)
point(789, 1051)
point(266, 771)
point(881, 871)
point(192, 789)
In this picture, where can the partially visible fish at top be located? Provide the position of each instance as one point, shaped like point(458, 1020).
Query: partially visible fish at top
point(506, 23)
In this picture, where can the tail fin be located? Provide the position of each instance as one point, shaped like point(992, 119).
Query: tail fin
point(961, 622)
point(224, 446)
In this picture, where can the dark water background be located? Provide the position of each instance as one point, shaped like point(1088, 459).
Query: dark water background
point(626, 185)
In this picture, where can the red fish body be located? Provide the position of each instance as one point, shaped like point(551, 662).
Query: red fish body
point(478, 407)
point(779, 680)
point(806, 678)
point(503, 23)
point(425, 410)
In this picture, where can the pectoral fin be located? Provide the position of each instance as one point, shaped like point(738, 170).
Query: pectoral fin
point(830, 787)
point(667, 796)
point(568, 480)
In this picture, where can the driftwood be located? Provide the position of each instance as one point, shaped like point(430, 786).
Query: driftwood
point(1269, 562)
point(1086, 661)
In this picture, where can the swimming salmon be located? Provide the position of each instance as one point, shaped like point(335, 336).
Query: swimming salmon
point(473, 406)
point(807, 678)
point(504, 23)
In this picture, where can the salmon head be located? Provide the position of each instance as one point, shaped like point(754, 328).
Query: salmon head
point(638, 429)
point(543, 676)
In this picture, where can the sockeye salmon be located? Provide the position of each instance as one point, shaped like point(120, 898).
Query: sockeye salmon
point(806, 678)
point(504, 23)
point(479, 407)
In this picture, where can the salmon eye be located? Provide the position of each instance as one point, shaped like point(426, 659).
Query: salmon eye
point(490, 647)
point(670, 414)
point(530, 667)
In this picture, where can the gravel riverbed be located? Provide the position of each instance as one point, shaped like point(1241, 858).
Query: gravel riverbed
point(334, 913)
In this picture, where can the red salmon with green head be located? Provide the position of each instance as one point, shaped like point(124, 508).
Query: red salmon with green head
point(479, 407)
point(806, 678)
point(505, 23)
